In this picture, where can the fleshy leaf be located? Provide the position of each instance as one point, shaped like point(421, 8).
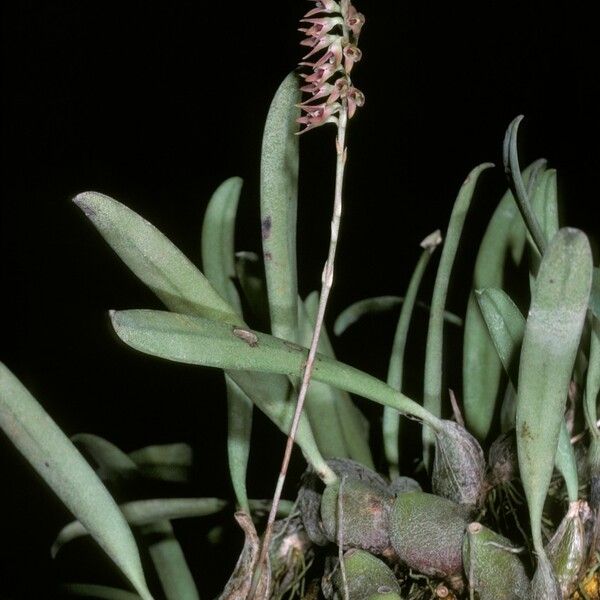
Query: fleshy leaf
point(482, 370)
point(154, 259)
point(278, 207)
point(218, 240)
point(506, 326)
point(98, 592)
point(168, 462)
point(239, 431)
point(552, 334)
point(355, 426)
point(432, 389)
point(169, 561)
point(194, 340)
point(370, 306)
point(391, 419)
point(52, 454)
point(144, 512)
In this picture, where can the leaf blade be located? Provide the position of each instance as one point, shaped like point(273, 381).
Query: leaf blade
point(55, 458)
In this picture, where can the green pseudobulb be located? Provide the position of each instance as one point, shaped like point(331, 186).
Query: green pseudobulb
point(364, 518)
point(367, 578)
point(492, 565)
point(427, 532)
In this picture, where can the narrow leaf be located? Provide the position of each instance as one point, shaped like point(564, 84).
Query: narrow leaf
point(99, 592)
point(154, 259)
point(552, 334)
point(168, 462)
point(522, 195)
point(143, 512)
point(218, 240)
point(506, 325)
point(391, 419)
point(377, 304)
point(169, 561)
point(181, 287)
point(239, 431)
point(111, 460)
point(592, 384)
point(321, 400)
point(432, 392)
point(278, 207)
point(355, 426)
point(193, 340)
point(482, 370)
point(55, 458)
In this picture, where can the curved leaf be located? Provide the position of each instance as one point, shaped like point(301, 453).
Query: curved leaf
point(55, 458)
point(99, 592)
point(391, 419)
point(552, 334)
point(154, 258)
point(218, 240)
point(169, 561)
point(278, 207)
point(193, 340)
point(353, 313)
point(506, 325)
point(592, 384)
point(482, 370)
point(355, 426)
point(168, 462)
point(144, 512)
point(432, 389)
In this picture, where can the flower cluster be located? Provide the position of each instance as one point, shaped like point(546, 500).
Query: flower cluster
point(332, 30)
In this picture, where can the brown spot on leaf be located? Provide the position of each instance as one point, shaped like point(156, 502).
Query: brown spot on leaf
point(268, 256)
point(266, 227)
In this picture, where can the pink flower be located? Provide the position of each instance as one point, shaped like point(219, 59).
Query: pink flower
point(355, 21)
point(323, 6)
point(355, 98)
point(320, 27)
point(352, 54)
point(318, 114)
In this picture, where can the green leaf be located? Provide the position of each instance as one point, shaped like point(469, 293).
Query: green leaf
point(168, 462)
point(239, 432)
point(55, 458)
point(99, 592)
point(521, 193)
point(193, 340)
point(595, 295)
point(154, 259)
point(391, 419)
point(181, 287)
point(506, 325)
point(482, 370)
point(355, 426)
point(377, 304)
point(432, 392)
point(218, 240)
point(321, 399)
point(278, 207)
point(250, 274)
point(110, 460)
point(165, 551)
point(169, 561)
point(592, 384)
point(144, 512)
point(552, 335)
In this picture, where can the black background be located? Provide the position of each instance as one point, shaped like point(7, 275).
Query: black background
point(155, 103)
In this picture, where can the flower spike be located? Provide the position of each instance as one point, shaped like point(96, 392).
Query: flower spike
point(332, 29)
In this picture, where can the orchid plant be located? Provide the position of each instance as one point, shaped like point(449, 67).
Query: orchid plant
point(518, 520)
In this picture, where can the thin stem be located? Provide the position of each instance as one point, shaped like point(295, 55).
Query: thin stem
point(326, 285)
